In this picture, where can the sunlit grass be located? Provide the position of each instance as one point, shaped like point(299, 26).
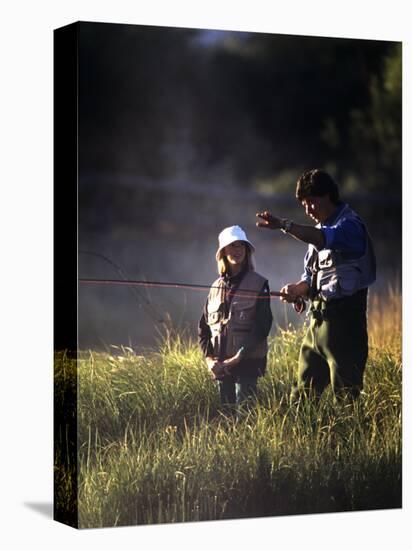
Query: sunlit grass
point(154, 446)
point(385, 319)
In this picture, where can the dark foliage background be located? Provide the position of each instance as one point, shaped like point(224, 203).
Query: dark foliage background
point(185, 131)
point(165, 102)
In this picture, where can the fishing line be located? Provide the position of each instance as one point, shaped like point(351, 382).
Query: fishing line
point(298, 304)
point(142, 301)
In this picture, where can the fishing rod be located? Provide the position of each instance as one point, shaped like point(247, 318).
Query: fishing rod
point(298, 303)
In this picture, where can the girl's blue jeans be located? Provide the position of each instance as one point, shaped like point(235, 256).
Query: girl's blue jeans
point(237, 391)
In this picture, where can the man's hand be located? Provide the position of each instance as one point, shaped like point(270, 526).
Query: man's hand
point(269, 221)
point(294, 291)
point(304, 233)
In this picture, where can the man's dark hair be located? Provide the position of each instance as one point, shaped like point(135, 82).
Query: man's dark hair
point(317, 183)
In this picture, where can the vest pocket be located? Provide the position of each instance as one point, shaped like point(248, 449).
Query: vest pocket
point(243, 313)
point(349, 279)
point(338, 282)
point(328, 283)
point(214, 317)
point(214, 313)
point(325, 258)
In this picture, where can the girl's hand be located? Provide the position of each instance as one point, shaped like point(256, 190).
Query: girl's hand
point(228, 364)
point(211, 362)
point(215, 368)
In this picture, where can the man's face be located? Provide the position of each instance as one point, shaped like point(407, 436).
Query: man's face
point(318, 208)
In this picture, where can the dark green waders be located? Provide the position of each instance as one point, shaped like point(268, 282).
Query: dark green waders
point(335, 348)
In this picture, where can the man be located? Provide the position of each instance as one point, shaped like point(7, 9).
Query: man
point(339, 267)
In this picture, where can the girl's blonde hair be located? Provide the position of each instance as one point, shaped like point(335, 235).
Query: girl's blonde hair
point(223, 265)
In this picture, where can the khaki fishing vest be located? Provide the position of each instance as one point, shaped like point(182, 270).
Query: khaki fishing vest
point(241, 315)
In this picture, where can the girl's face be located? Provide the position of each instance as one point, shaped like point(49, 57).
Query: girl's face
point(235, 253)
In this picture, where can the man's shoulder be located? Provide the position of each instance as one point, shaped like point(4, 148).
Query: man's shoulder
point(348, 214)
point(348, 221)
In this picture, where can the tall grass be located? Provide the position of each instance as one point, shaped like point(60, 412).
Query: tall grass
point(385, 318)
point(154, 446)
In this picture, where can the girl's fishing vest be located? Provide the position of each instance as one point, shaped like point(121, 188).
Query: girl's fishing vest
point(336, 276)
point(235, 327)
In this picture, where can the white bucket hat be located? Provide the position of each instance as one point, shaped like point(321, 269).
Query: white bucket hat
point(230, 235)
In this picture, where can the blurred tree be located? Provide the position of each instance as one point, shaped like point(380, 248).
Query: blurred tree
point(134, 97)
point(295, 96)
point(376, 132)
point(169, 103)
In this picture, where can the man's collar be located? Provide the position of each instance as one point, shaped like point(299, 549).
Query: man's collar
point(333, 217)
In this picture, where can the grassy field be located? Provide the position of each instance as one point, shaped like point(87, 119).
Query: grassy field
point(154, 447)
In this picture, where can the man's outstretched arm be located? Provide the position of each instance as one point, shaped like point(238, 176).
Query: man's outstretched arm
point(305, 233)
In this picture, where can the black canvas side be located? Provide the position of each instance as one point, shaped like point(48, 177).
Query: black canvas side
point(65, 273)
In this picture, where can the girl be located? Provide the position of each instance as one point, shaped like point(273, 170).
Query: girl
point(236, 320)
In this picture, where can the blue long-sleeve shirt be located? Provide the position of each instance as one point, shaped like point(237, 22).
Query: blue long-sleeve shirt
point(345, 235)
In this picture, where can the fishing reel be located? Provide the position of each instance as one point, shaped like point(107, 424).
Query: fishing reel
point(299, 305)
